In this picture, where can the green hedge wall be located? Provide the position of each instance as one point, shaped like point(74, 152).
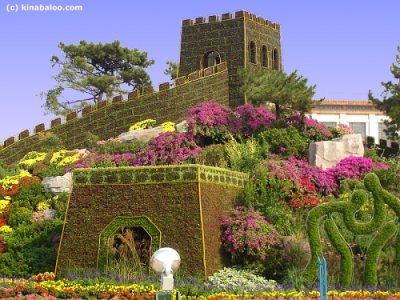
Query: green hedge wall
point(184, 202)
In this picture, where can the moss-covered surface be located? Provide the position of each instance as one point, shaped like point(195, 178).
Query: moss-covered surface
point(184, 202)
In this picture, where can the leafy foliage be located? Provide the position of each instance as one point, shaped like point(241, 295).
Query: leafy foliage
point(213, 155)
point(172, 70)
point(287, 92)
point(245, 156)
point(284, 141)
point(30, 249)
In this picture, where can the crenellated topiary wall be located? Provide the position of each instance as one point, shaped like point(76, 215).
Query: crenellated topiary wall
point(229, 35)
point(111, 119)
point(183, 203)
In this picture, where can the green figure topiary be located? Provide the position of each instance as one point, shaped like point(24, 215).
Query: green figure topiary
point(347, 209)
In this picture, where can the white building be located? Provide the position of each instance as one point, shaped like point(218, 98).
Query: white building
point(361, 116)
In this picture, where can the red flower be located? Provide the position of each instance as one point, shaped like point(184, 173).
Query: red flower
point(9, 192)
point(3, 221)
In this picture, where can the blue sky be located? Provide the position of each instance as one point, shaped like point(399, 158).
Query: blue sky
point(344, 47)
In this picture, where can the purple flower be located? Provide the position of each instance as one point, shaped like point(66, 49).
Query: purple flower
point(249, 119)
point(247, 233)
point(313, 129)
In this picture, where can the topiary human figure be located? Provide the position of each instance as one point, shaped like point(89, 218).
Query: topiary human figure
point(347, 209)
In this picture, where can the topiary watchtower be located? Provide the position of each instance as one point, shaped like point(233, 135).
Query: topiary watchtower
point(244, 40)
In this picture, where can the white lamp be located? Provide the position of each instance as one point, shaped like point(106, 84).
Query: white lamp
point(166, 261)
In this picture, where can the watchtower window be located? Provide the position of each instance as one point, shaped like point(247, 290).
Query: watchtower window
point(264, 56)
point(275, 59)
point(252, 52)
point(211, 58)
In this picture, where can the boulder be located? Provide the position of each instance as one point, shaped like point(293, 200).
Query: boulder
point(182, 127)
point(328, 153)
point(40, 216)
point(49, 214)
point(82, 152)
point(58, 184)
point(142, 135)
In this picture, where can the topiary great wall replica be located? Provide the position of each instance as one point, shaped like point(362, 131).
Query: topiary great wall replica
point(211, 54)
point(155, 198)
point(181, 206)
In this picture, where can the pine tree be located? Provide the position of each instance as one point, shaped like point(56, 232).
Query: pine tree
point(286, 92)
point(97, 71)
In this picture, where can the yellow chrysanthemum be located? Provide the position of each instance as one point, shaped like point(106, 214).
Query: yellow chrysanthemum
point(148, 123)
point(3, 204)
point(5, 229)
point(63, 158)
point(31, 158)
point(168, 126)
point(9, 181)
point(43, 205)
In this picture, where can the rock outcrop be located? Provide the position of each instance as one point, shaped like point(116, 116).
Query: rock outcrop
point(58, 184)
point(328, 153)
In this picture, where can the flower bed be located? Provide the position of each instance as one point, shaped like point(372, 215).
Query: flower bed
point(61, 289)
point(23, 289)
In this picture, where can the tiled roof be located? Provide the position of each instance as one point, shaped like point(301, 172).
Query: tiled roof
point(347, 102)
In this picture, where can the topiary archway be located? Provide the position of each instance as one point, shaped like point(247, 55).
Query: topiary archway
point(113, 228)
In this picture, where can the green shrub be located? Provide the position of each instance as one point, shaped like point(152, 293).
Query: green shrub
point(213, 155)
point(7, 171)
point(389, 179)
point(30, 196)
point(114, 147)
point(30, 249)
point(51, 142)
point(59, 203)
point(265, 195)
point(284, 141)
point(245, 156)
point(296, 278)
point(89, 140)
point(20, 216)
point(51, 171)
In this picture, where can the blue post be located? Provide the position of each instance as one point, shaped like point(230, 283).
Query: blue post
point(323, 279)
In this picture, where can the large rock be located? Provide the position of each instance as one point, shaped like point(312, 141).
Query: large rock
point(328, 153)
point(182, 127)
point(58, 184)
point(142, 135)
point(82, 152)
